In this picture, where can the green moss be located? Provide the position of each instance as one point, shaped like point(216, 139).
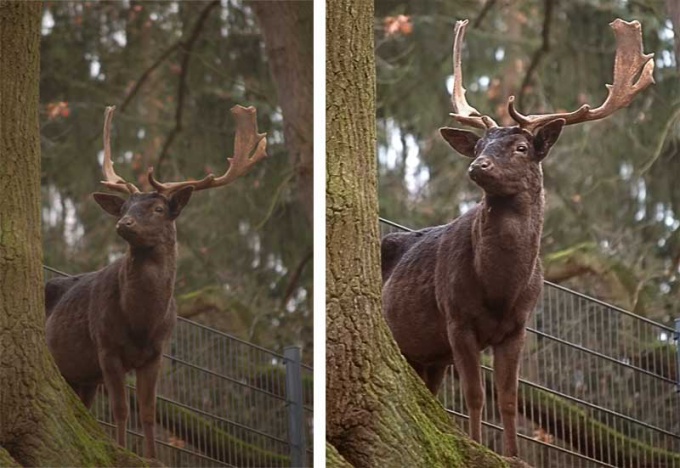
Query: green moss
point(621, 448)
point(334, 459)
point(553, 412)
point(6, 459)
point(268, 374)
point(77, 439)
point(181, 420)
point(566, 254)
point(435, 436)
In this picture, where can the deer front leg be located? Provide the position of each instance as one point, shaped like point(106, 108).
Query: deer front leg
point(147, 378)
point(506, 374)
point(114, 379)
point(466, 359)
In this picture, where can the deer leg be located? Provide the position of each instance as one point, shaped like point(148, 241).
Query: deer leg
point(86, 393)
point(433, 377)
point(114, 379)
point(147, 377)
point(506, 373)
point(466, 359)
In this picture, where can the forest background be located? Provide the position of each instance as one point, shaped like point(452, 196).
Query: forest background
point(612, 225)
point(174, 69)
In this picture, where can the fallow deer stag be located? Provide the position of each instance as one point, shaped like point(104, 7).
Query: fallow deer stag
point(103, 324)
point(451, 291)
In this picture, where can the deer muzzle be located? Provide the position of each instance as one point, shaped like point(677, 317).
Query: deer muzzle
point(125, 222)
point(125, 226)
point(480, 166)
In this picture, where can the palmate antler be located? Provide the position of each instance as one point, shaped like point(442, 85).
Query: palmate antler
point(633, 71)
point(249, 148)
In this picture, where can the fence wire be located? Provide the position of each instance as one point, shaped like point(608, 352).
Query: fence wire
point(222, 401)
point(598, 386)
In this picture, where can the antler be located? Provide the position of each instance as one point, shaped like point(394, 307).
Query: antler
point(462, 111)
point(632, 73)
point(112, 180)
point(248, 142)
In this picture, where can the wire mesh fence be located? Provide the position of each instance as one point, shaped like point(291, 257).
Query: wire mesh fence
point(224, 402)
point(598, 386)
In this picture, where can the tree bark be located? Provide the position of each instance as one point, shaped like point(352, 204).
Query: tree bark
point(673, 8)
point(287, 28)
point(378, 411)
point(41, 420)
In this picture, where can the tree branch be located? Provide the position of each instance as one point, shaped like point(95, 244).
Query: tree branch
point(142, 79)
point(186, 48)
point(295, 278)
point(482, 14)
point(673, 9)
point(660, 144)
point(539, 53)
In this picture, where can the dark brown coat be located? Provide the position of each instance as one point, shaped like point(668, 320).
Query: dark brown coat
point(103, 324)
point(451, 291)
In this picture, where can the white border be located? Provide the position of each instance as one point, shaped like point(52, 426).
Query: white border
point(319, 234)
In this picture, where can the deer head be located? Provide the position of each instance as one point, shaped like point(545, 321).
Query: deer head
point(507, 159)
point(147, 218)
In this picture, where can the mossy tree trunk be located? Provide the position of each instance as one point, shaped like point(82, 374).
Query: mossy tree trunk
point(378, 412)
point(41, 421)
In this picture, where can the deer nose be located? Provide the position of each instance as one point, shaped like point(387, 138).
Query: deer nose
point(126, 221)
point(481, 163)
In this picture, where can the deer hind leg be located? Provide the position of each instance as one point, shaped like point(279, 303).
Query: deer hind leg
point(147, 378)
point(86, 393)
point(506, 358)
point(419, 368)
point(434, 374)
point(466, 359)
point(114, 379)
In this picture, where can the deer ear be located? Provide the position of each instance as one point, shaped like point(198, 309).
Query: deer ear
point(546, 136)
point(461, 140)
point(109, 203)
point(179, 200)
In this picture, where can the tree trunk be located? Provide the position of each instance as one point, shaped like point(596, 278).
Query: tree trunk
point(288, 38)
point(41, 420)
point(378, 411)
point(673, 8)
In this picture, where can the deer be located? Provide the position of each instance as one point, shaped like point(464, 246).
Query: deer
point(103, 324)
point(452, 291)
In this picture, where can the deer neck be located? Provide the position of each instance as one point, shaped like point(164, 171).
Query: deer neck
point(506, 241)
point(147, 279)
point(527, 206)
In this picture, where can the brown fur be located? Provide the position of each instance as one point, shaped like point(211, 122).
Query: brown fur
point(103, 324)
point(451, 291)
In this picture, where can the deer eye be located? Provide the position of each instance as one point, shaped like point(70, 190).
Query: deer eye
point(522, 148)
point(158, 209)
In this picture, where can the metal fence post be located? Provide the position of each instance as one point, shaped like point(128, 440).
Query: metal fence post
point(677, 351)
point(296, 428)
